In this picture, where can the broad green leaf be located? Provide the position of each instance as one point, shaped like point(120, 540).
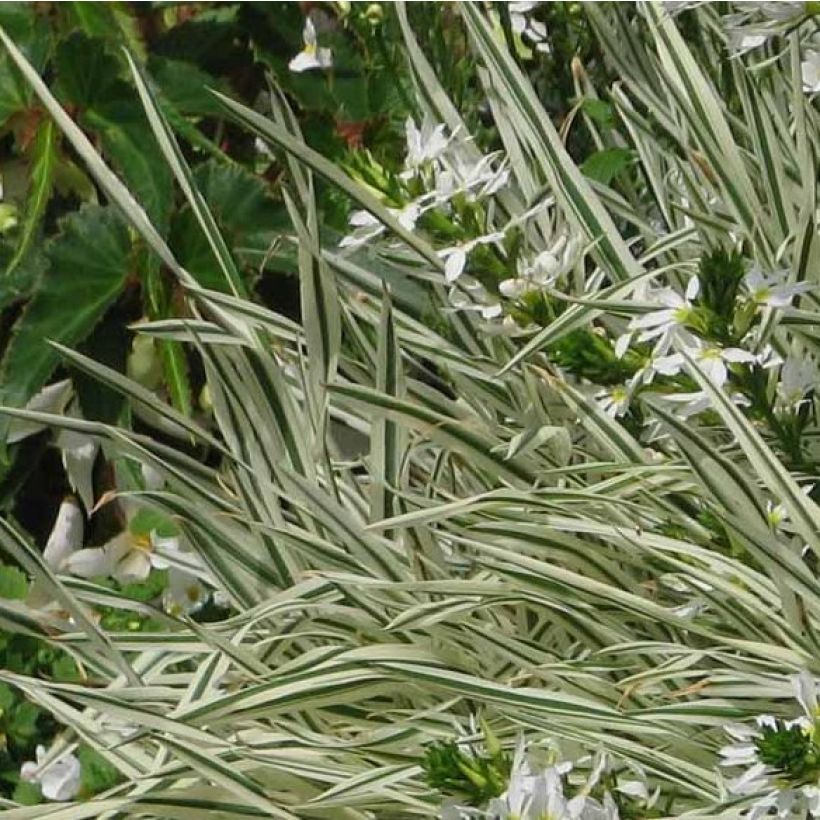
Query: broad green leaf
point(30, 30)
point(88, 263)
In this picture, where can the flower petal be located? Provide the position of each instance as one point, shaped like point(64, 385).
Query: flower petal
point(66, 535)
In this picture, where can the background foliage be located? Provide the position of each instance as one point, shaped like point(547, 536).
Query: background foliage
point(528, 446)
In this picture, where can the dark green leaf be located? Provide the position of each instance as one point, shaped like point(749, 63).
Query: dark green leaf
point(248, 218)
point(185, 86)
point(89, 261)
point(31, 33)
point(87, 74)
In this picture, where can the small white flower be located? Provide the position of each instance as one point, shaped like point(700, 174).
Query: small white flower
point(311, 56)
point(367, 227)
point(59, 780)
point(456, 256)
point(424, 144)
point(615, 402)
point(778, 515)
point(534, 32)
point(543, 271)
point(798, 375)
point(653, 365)
point(65, 539)
point(712, 360)
point(127, 557)
point(688, 404)
point(773, 290)
point(472, 295)
point(458, 171)
point(666, 323)
point(185, 592)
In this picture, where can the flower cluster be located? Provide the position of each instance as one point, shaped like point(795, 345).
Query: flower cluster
point(713, 320)
point(782, 759)
point(448, 190)
point(536, 784)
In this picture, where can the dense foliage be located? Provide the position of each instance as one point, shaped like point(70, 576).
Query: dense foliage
point(430, 422)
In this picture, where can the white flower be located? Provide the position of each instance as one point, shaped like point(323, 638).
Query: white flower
point(425, 144)
point(773, 290)
point(688, 404)
point(531, 795)
point(711, 359)
point(59, 780)
point(778, 515)
point(534, 797)
point(185, 592)
point(472, 295)
point(543, 271)
point(311, 56)
point(455, 257)
point(127, 557)
point(532, 31)
point(458, 171)
point(653, 364)
point(666, 323)
point(615, 402)
point(367, 227)
point(798, 375)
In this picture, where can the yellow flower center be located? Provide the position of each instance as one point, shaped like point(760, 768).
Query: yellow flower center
point(141, 541)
